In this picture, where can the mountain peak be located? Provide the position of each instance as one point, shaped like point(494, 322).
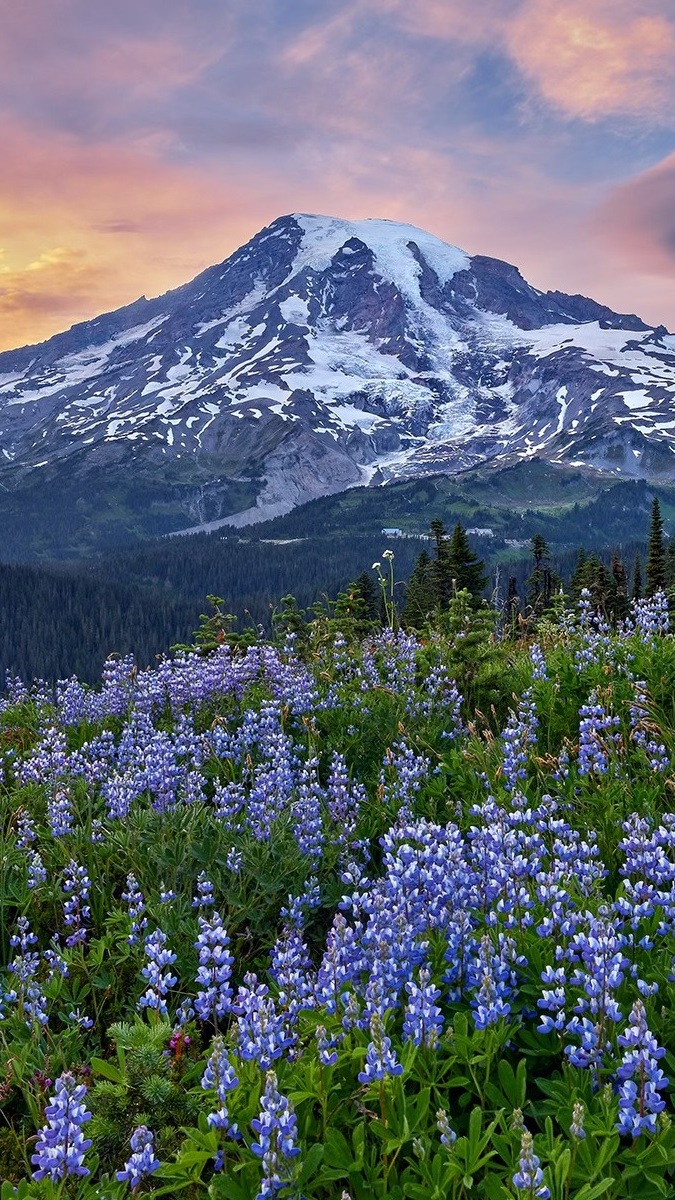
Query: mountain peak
point(389, 241)
point(325, 353)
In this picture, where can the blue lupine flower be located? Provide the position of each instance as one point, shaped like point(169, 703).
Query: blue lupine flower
point(261, 1034)
point(326, 1047)
point(142, 1161)
point(76, 885)
point(234, 860)
point(27, 993)
point(423, 1020)
point(448, 1135)
point(276, 1128)
point(577, 1127)
point(306, 812)
point(160, 980)
point(61, 1145)
point(650, 615)
point(538, 662)
point(290, 970)
point(641, 1078)
point(82, 1021)
point(215, 967)
point(529, 1177)
point(136, 908)
point(220, 1077)
point(380, 1058)
point(595, 741)
point(520, 733)
point(25, 828)
point(204, 896)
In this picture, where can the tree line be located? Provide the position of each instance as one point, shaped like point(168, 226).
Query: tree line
point(63, 620)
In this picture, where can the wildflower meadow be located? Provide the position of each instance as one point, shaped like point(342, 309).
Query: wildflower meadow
point(346, 914)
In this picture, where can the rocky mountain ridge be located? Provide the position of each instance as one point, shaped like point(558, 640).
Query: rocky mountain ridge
point(323, 354)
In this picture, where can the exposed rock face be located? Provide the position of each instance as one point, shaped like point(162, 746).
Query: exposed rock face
point(322, 354)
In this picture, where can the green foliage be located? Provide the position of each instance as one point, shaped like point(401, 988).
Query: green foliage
point(383, 700)
point(656, 561)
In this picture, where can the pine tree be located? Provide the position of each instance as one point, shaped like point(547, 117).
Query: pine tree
point(621, 587)
point(670, 564)
point(579, 576)
point(636, 586)
point(420, 597)
point(369, 593)
point(543, 581)
point(466, 568)
point(656, 557)
point(442, 567)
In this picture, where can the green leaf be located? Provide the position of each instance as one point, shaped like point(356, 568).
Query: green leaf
point(507, 1080)
point(101, 1066)
point(337, 1151)
point(590, 1190)
point(310, 1163)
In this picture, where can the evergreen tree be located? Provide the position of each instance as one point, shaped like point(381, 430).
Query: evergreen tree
point(467, 571)
point(636, 586)
point(656, 556)
point(442, 568)
point(670, 565)
point(420, 597)
point(368, 591)
point(579, 576)
point(543, 581)
point(620, 577)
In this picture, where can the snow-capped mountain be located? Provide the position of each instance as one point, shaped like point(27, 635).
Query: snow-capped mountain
point(323, 354)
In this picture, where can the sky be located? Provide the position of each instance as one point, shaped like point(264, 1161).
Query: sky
point(143, 142)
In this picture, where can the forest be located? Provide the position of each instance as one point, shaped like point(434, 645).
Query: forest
point(69, 617)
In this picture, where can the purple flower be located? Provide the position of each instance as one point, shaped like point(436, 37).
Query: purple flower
point(76, 885)
point(641, 1078)
point(142, 1161)
point(306, 812)
point(215, 967)
point(160, 980)
point(219, 1077)
point(276, 1128)
point(261, 1034)
point(325, 1047)
point(136, 907)
point(448, 1135)
point(423, 1021)
point(28, 994)
point(380, 1058)
point(529, 1177)
point(595, 740)
point(204, 897)
point(61, 1146)
point(519, 735)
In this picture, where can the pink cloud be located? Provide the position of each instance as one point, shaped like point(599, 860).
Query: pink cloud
point(596, 58)
point(587, 58)
point(637, 222)
point(94, 227)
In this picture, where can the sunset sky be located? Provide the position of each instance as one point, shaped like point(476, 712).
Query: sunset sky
point(142, 142)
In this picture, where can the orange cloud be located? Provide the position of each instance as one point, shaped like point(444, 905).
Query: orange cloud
point(94, 227)
point(596, 58)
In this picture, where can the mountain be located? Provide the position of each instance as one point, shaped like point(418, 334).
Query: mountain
point(323, 354)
